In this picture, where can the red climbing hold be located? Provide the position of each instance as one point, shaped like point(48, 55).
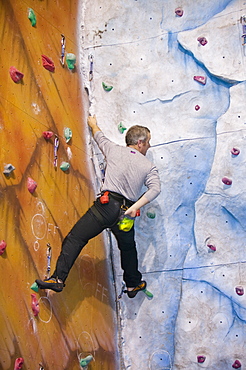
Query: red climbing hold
point(237, 364)
point(47, 134)
point(47, 63)
point(203, 41)
point(211, 247)
point(31, 185)
point(3, 246)
point(201, 79)
point(226, 181)
point(235, 151)
point(35, 304)
point(197, 107)
point(18, 363)
point(15, 74)
point(239, 290)
point(179, 12)
point(201, 359)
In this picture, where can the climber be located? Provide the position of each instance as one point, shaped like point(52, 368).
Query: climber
point(127, 170)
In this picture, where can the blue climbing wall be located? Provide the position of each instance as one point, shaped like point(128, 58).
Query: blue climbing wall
point(178, 68)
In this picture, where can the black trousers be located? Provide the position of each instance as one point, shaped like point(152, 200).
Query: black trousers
point(93, 222)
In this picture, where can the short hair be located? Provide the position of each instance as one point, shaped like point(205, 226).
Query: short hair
point(136, 133)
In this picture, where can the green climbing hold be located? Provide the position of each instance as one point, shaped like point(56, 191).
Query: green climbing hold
point(64, 166)
point(34, 287)
point(85, 361)
point(151, 213)
point(107, 87)
point(71, 60)
point(68, 134)
point(121, 128)
point(32, 17)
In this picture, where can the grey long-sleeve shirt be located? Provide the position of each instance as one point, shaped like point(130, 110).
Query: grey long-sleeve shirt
point(127, 170)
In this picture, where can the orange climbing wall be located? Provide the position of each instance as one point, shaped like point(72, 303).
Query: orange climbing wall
point(81, 319)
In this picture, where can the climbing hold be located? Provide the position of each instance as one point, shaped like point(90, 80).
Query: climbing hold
point(34, 287)
point(18, 363)
point(201, 359)
point(179, 12)
point(68, 134)
point(34, 304)
point(85, 361)
point(107, 87)
point(121, 127)
point(47, 63)
point(151, 213)
point(15, 74)
point(64, 166)
point(47, 134)
point(235, 151)
point(197, 107)
point(239, 290)
point(8, 168)
point(71, 60)
point(63, 46)
point(31, 185)
point(69, 153)
point(212, 247)
point(32, 17)
point(3, 246)
point(202, 40)
point(226, 181)
point(201, 79)
point(236, 364)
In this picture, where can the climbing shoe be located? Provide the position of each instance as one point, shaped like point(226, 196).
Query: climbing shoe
point(51, 283)
point(134, 292)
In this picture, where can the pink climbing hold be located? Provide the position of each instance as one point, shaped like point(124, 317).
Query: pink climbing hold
point(15, 74)
point(235, 151)
point(197, 107)
point(239, 290)
point(3, 246)
point(203, 41)
point(201, 359)
point(31, 185)
point(47, 63)
point(179, 12)
point(211, 247)
point(47, 134)
point(35, 304)
point(226, 181)
point(201, 79)
point(18, 363)
point(236, 364)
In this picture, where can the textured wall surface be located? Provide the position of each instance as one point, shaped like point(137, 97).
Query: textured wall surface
point(80, 320)
point(192, 253)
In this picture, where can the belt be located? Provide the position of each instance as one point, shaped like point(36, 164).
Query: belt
point(121, 198)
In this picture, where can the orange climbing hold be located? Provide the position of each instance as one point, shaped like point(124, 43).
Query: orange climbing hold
point(47, 63)
point(15, 74)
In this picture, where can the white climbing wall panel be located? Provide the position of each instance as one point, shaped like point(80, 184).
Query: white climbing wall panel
point(192, 253)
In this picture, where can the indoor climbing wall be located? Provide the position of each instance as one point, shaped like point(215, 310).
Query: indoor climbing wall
point(46, 184)
point(178, 67)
